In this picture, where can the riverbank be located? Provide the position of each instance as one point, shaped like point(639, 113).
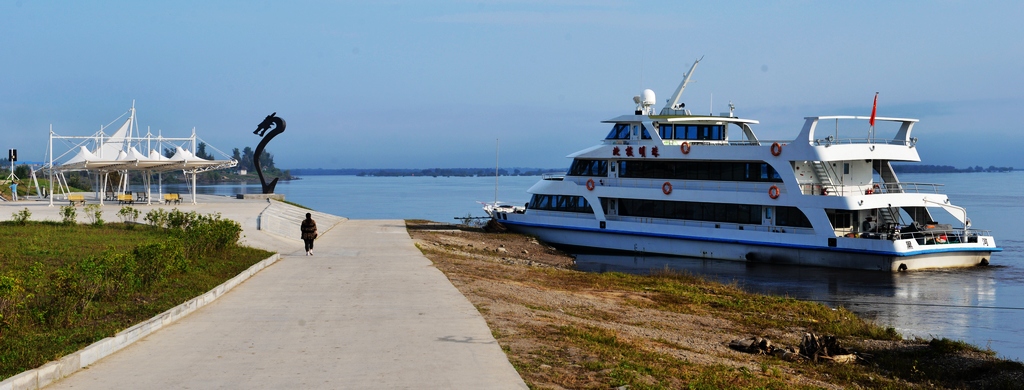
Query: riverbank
point(568, 329)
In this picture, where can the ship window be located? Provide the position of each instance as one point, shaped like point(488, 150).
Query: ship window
point(790, 216)
point(643, 132)
point(698, 170)
point(697, 211)
point(840, 219)
point(619, 131)
point(582, 167)
point(846, 168)
point(567, 203)
point(686, 132)
point(666, 131)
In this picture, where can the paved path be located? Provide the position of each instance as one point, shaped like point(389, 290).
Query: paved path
point(368, 311)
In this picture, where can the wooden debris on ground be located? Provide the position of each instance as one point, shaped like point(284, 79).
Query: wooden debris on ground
point(812, 347)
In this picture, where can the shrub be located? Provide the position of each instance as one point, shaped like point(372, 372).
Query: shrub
point(156, 261)
point(11, 296)
point(95, 214)
point(203, 234)
point(177, 219)
point(157, 218)
point(21, 217)
point(129, 216)
point(68, 215)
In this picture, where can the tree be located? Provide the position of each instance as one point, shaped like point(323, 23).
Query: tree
point(168, 152)
point(267, 160)
point(201, 152)
point(236, 155)
point(246, 161)
point(22, 171)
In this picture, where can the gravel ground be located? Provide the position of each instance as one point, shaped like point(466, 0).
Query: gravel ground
point(496, 272)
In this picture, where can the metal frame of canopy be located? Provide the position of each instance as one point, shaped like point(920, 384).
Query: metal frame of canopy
point(128, 160)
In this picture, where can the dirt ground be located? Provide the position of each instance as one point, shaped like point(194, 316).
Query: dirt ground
point(501, 273)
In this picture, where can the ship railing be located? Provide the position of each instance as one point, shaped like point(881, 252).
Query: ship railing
point(553, 176)
point(829, 141)
point(870, 189)
point(677, 184)
point(936, 237)
point(715, 225)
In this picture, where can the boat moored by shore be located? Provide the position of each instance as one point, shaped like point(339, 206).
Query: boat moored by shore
point(705, 186)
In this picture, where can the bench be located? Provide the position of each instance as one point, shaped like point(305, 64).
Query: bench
point(168, 198)
point(141, 197)
point(76, 198)
point(125, 198)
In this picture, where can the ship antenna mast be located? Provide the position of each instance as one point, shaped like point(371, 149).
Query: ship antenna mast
point(496, 172)
point(673, 103)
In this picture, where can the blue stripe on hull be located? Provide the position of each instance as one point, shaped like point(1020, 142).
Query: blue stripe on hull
point(756, 243)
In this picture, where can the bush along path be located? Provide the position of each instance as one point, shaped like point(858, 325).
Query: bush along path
point(65, 285)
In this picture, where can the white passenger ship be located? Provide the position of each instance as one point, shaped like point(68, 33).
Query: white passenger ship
point(679, 184)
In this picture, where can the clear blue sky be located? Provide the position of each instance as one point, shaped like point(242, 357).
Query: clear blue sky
point(379, 84)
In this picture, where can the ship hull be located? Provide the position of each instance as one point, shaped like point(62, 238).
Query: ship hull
point(752, 252)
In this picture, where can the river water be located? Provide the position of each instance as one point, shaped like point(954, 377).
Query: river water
point(983, 305)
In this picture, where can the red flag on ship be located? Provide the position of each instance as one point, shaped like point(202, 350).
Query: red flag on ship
point(874, 106)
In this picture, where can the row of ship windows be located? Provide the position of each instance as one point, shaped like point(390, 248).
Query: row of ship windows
point(680, 170)
point(670, 131)
point(569, 203)
point(711, 212)
point(694, 211)
point(692, 132)
point(621, 131)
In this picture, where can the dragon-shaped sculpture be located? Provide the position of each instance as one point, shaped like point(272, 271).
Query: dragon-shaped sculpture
point(261, 130)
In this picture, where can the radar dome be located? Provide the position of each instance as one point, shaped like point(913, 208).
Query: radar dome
point(648, 97)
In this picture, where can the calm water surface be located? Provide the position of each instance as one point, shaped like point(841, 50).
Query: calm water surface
point(984, 305)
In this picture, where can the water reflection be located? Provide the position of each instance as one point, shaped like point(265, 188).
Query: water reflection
point(958, 304)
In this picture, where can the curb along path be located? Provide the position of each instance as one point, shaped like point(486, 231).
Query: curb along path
point(367, 311)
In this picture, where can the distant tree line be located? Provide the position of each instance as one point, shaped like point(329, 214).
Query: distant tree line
point(916, 168)
point(432, 172)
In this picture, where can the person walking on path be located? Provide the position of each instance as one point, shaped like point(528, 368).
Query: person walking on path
point(308, 233)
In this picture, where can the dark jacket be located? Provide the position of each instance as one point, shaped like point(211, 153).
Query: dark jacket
point(308, 229)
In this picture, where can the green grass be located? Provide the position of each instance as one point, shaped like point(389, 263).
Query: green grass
point(64, 287)
point(295, 204)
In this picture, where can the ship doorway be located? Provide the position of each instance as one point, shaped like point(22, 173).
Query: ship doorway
point(768, 217)
point(608, 206)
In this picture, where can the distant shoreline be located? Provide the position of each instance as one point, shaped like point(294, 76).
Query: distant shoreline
point(432, 172)
point(914, 168)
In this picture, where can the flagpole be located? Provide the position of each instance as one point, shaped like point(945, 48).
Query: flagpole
point(871, 131)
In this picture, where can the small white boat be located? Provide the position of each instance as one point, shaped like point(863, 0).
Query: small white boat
point(705, 186)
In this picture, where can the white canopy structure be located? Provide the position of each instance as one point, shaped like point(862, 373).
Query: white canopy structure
point(119, 153)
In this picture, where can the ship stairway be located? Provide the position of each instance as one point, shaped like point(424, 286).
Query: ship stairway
point(888, 176)
point(885, 217)
point(821, 171)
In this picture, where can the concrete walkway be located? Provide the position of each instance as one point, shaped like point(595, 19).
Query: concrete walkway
point(367, 311)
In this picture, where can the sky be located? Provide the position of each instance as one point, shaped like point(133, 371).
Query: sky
point(442, 84)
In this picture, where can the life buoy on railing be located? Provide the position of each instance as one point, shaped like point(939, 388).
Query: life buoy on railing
point(685, 148)
point(776, 149)
point(666, 188)
point(773, 192)
point(590, 184)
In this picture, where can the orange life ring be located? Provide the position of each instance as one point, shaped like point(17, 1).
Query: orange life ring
point(776, 149)
point(685, 148)
point(590, 184)
point(666, 188)
point(773, 192)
